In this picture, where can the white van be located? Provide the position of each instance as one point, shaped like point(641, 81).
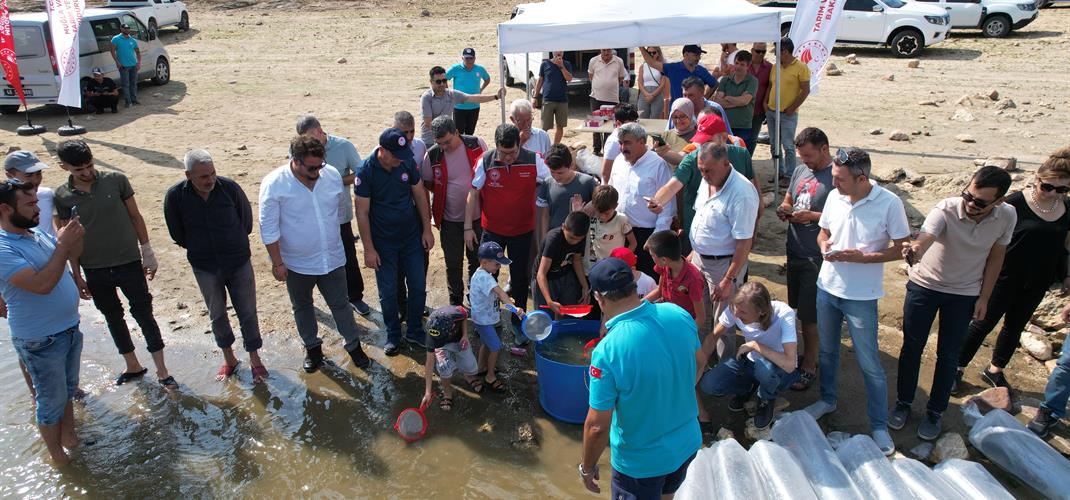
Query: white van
point(37, 60)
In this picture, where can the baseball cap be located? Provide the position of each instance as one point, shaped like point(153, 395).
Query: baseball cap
point(468, 52)
point(23, 161)
point(694, 49)
point(708, 126)
point(493, 251)
point(98, 71)
point(394, 140)
point(624, 254)
point(610, 274)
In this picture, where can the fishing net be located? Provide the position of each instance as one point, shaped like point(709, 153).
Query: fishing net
point(536, 326)
point(411, 424)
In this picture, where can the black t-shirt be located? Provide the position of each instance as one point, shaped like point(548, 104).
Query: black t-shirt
point(1036, 255)
point(560, 252)
point(106, 85)
point(444, 327)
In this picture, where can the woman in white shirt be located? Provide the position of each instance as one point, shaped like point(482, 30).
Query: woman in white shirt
point(765, 363)
point(653, 88)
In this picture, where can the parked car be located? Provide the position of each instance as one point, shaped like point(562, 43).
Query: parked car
point(37, 61)
point(995, 18)
point(156, 13)
point(904, 27)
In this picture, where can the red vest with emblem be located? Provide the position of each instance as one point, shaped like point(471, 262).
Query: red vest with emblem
point(508, 194)
point(440, 173)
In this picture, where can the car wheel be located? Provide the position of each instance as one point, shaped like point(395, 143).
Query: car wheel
point(9, 109)
point(183, 25)
point(907, 43)
point(152, 25)
point(996, 26)
point(509, 80)
point(163, 72)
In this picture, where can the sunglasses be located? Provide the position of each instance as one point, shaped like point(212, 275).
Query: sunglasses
point(440, 81)
point(977, 202)
point(843, 158)
point(1051, 187)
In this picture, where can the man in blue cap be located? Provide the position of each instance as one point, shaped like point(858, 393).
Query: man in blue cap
point(643, 376)
point(470, 78)
point(395, 226)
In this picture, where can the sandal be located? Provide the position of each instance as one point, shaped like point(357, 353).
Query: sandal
point(805, 380)
point(226, 371)
point(130, 376)
point(168, 383)
point(497, 384)
point(446, 404)
point(477, 385)
point(260, 374)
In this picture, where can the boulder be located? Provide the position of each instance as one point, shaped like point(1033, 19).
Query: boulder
point(967, 138)
point(1051, 364)
point(1008, 163)
point(950, 445)
point(888, 78)
point(875, 131)
point(341, 60)
point(992, 398)
point(913, 63)
point(425, 13)
point(961, 115)
point(992, 94)
point(1047, 314)
point(851, 59)
point(921, 451)
point(1036, 345)
point(1006, 104)
point(832, 70)
point(899, 135)
point(964, 101)
point(723, 434)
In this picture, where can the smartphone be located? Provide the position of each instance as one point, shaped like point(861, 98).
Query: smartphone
point(74, 211)
point(830, 253)
point(659, 141)
point(650, 200)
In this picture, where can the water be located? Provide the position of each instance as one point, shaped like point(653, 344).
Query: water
point(328, 434)
point(567, 349)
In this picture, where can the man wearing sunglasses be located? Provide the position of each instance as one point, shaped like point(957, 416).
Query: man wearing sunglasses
point(301, 206)
point(440, 99)
point(955, 262)
point(857, 224)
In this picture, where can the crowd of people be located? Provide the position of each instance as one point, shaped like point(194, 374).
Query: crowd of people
point(659, 244)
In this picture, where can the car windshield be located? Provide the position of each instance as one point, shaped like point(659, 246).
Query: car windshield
point(895, 4)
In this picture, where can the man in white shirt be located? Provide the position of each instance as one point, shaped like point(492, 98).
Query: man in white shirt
point(637, 174)
point(532, 138)
point(301, 207)
point(607, 73)
point(857, 224)
point(625, 113)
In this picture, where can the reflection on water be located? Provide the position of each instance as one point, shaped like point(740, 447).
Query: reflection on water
point(567, 349)
point(325, 434)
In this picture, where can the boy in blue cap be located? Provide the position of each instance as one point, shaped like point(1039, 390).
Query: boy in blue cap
point(448, 351)
point(484, 295)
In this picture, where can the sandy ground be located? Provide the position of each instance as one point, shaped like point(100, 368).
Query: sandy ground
point(242, 76)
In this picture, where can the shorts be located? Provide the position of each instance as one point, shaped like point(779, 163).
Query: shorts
point(564, 289)
point(53, 363)
point(802, 288)
point(488, 334)
point(451, 358)
point(554, 112)
point(624, 486)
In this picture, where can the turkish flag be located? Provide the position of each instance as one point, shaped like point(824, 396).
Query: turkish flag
point(596, 372)
point(8, 59)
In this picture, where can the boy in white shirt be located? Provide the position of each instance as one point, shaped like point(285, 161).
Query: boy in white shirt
point(484, 295)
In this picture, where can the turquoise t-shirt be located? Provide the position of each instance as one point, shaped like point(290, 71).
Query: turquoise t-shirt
point(124, 50)
point(644, 370)
point(467, 81)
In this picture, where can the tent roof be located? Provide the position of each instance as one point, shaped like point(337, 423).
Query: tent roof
point(594, 24)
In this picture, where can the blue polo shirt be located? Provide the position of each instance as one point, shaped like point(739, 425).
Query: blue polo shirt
point(554, 86)
point(124, 50)
point(467, 81)
point(677, 73)
point(644, 370)
point(393, 213)
point(34, 316)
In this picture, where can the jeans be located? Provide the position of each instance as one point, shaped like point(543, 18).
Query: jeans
point(598, 138)
point(53, 363)
point(517, 248)
point(466, 120)
point(332, 287)
point(919, 310)
point(788, 124)
point(403, 293)
point(354, 281)
point(1015, 304)
point(1058, 389)
point(241, 284)
point(407, 258)
point(735, 376)
point(128, 81)
point(755, 130)
point(623, 486)
point(861, 318)
point(451, 237)
point(130, 278)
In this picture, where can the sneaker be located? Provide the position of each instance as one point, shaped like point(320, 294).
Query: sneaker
point(313, 359)
point(929, 429)
point(428, 311)
point(884, 442)
point(1042, 424)
point(360, 358)
point(899, 415)
point(819, 409)
point(957, 382)
point(361, 307)
point(391, 349)
point(763, 414)
point(738, 401)
point(995, 379)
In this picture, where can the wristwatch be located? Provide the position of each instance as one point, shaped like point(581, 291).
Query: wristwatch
point(586, 474)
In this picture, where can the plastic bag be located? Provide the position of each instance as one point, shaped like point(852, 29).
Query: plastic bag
point(698, 484)
point(971, 480)
point(799, 433)
point(784, 477)
point(588, 163)
point(971, 413)
point(735, 475)
point(1005, 441)
point(923, 482)
point(871, 470)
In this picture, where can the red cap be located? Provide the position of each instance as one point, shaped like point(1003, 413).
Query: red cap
point(624, 254)
point(708, 126)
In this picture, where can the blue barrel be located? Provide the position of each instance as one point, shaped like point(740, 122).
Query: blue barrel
point(563, 391)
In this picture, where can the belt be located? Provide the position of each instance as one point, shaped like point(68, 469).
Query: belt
point(715, 257)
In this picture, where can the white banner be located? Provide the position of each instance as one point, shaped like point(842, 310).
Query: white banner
point(64, 19)
point(814, 33)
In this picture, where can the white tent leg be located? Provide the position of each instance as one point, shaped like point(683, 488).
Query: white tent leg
point(527, 79)
point(501, 75)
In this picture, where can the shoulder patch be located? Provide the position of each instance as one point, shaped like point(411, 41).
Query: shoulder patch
point(596, 372)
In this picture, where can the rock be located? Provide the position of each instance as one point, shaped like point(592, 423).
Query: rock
point(921, 451)
point(1036, 345)
point(1006, 104)
point(1060, 443)
point(875, 131)
point(425, 13)
point(967, 138)
point(927, 103)
point(895, 175)
point(723, 434)
point(243, 147)
point(851, 59)
point(755, 434)
point(259, 23)
point(408, 25)
point(964, 101)
point(992, 94)
point(1051, 364)
point(899, 135)
point(485, 428)
point(768, 199)
point(992, 398)
point(232, 82)
point(1008, 163)
point(913, 63)
point(915, 132)
point(308, 94)
point(961, 115)
point(1029, 412)
point(12, 149)
point(181, 306)
point(341, 60)
point(888, 78)
point(1047, 315)
point(950, 445)
point(832, 70)
point(526, 440)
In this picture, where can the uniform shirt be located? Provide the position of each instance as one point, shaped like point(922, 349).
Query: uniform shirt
point(507, 193)
point(110, 239)
point(125, 50)
point(560, 252)
point(781, 329)
point(677, 73)
point(955, 263)
point(684, 289)
point(868, 225)
point(633, 182)
point(433, 106)
point(392, 211)
point(539, 142)
point(468, 81)
point(739, 116)
point(688, 175)
point(342, 155)
point(444, 327)
point(214, 232)
point(303, 222)
point(33, 316)
point(809, 190)
point(607, 236)
point(793, 76)
point(605, 79)
point(724, 217)
point(45, 202)
point(557, 198)
point(485, 309)
point(644, 371)
point(554, 86)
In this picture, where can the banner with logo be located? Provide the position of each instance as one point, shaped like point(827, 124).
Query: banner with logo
point(814, 33)
point(8, 59)
point(64, 18)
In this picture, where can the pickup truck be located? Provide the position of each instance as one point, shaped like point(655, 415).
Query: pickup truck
point(156, 13)
point(995, 18)
point(904, 27)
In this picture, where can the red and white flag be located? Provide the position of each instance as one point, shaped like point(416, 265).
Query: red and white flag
point(64, 19)
point(8, 59)
point(814, 33)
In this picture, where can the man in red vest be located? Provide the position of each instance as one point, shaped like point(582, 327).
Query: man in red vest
point(503, 191)
point(447, 172)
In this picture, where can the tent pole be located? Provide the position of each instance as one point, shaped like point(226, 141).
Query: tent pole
point(527, 79)
point(776, 134)
point(501, 74)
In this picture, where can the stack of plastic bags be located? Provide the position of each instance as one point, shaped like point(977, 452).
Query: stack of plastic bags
point(784, 477)
point(799, 434)
point(725, 471)
point(871, 470)
point(1005, 441)
point(971, 480)
point(923, 482)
